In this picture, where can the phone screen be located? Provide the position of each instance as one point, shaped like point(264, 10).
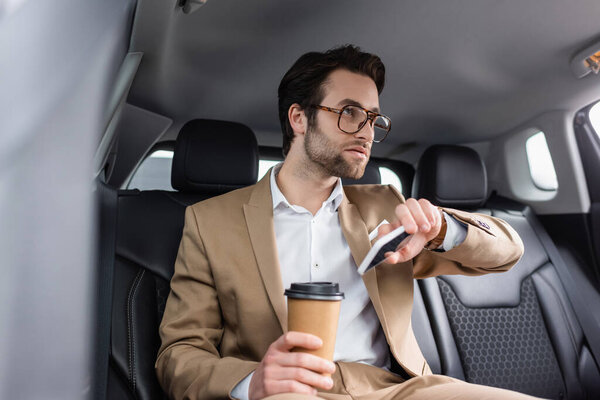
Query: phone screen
point(392, 245)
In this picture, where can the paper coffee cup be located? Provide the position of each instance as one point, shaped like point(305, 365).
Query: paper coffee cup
point(314, 307)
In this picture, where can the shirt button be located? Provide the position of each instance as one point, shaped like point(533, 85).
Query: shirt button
point(316, 265)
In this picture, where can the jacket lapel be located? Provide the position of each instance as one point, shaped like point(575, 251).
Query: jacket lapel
point(357, 236)
point(354, 229)
point(259, 220)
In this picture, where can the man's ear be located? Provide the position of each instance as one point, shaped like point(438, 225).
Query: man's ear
point(297, 119)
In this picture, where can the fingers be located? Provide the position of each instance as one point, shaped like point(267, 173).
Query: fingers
point(279, 353)
point(422, 220)
point(408, 251)
point(405, 218)
point(415, 216)
point(307, 361)
point(288, 386)
point(292, 339)
point(430, 211)
point(297, 372)
point(418, 216)
point(282, 371)
point(300, 375)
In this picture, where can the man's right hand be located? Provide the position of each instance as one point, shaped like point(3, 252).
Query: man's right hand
point(283, 371)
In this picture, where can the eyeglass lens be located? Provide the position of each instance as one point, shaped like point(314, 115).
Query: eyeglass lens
point(352, 119)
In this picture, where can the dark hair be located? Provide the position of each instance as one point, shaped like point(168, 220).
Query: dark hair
point(303, 83)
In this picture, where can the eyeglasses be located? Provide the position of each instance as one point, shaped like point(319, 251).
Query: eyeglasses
point(352, 119)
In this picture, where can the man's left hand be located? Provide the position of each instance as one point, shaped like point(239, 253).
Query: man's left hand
point(422, 220)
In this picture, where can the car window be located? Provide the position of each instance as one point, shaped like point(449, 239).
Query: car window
point(154, 173)
point(389, 177)
point(264, 166)
point(541, 166)
point(595, 118)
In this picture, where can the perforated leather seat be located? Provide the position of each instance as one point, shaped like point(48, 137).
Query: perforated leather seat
point(211, 158)
point(515, 330)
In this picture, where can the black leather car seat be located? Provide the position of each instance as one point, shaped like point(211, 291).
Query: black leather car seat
point(515, 330)
point(210, 158)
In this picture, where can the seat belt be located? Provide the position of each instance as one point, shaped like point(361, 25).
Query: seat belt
point(586, 313)
point(108, 198)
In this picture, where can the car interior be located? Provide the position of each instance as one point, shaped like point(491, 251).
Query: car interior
point(152, 106)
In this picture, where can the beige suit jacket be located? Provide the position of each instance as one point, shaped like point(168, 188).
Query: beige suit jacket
point(227, 306)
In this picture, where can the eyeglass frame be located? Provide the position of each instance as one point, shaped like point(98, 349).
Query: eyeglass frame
point(371, 115)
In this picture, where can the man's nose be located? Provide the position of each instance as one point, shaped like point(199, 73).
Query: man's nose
point(367, 132)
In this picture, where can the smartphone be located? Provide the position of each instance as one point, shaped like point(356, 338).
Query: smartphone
point(388, 242)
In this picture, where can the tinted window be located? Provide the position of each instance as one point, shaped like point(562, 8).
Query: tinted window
point(154, 173)
point(541, 166)
point(389, 177)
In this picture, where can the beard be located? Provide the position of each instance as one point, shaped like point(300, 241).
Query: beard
point(321, 151)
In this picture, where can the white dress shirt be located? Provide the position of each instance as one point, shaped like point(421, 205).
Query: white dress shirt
point(312, 248)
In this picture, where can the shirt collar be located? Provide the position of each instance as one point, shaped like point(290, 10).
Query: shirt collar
point(334, 200)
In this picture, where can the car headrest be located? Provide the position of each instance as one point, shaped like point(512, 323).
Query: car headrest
point(214, 157)
point(451, 176)
point(371, 176)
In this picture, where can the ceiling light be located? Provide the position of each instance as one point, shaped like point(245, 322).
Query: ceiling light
point(593, 62)
point(586, 61)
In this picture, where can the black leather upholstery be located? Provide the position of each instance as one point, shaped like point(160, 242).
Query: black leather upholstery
point(149, 227)
point(515, 330)
point(148, 232)
point(451, 176)
point(199, 166)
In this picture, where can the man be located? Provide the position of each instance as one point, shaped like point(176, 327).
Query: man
point(224, 328)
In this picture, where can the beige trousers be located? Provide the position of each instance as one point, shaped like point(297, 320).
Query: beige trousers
point(355, 381)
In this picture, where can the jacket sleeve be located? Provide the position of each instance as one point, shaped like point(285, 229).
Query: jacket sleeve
point(491, 245)
point(189, 365)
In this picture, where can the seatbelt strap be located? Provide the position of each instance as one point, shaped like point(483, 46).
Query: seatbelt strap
point(586, 313)
point(108, 198)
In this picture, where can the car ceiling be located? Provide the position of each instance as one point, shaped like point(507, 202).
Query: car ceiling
point(457, 71)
